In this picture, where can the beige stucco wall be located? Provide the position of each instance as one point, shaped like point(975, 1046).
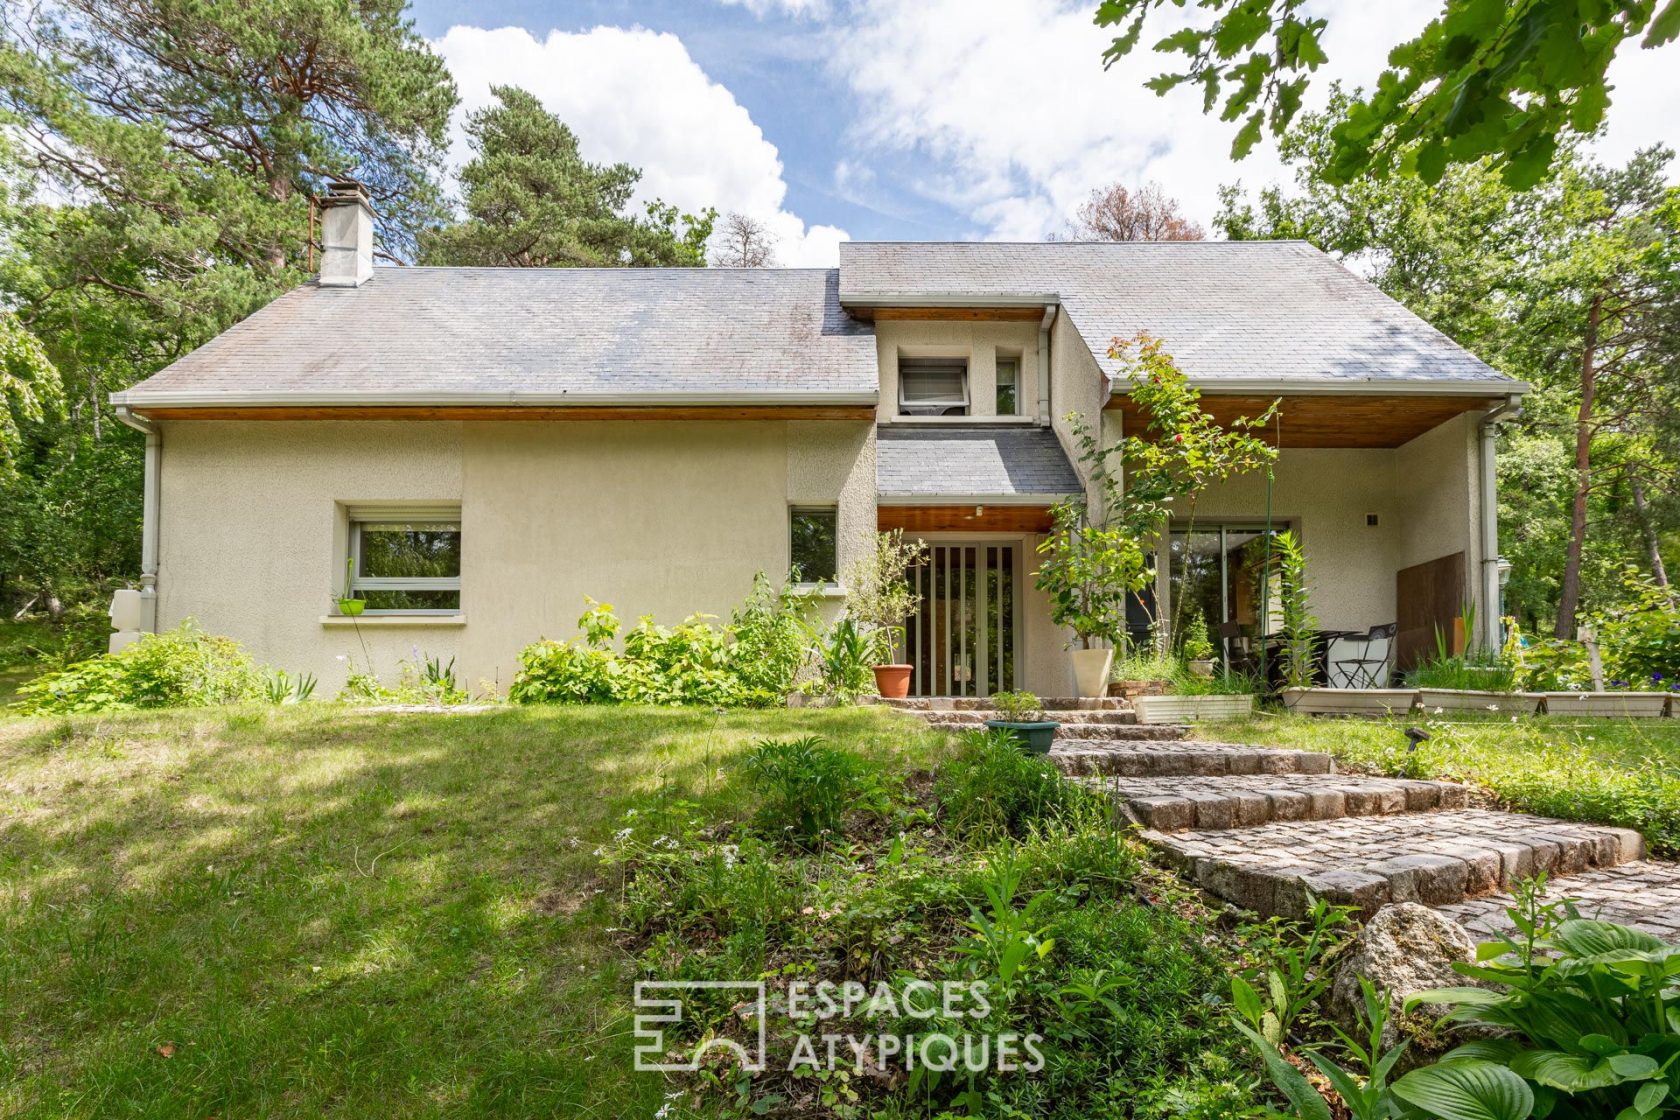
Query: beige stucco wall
point(251, 544)
point(980, 343)
point(1078, 385)
point(1440, 501)
point(665, 519)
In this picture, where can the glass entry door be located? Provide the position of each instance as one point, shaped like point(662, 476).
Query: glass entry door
point(1217, 572)
point(962, 640)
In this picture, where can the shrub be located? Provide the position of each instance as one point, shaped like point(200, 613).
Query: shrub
point(807, 787)
point(771, 641)
point(993, 789)
point(181, 668)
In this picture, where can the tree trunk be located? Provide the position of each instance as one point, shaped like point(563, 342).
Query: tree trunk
point(1659, 573)
point(1570, 600)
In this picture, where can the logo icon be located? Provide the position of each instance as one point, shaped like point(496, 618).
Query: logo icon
point(662, 1001)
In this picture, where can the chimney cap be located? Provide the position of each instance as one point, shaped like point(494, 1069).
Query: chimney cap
point(342, 192)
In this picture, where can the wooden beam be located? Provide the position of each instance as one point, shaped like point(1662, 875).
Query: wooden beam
point(952, 314)
point(1332, 419)
point(516, 412)
point(962, 519)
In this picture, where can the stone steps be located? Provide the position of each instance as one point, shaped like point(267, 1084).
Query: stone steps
point(976, 718)
point(1644, 894)
point(1173, 757)
point(1436, 858)
point(973, 704)
point(1177, 804)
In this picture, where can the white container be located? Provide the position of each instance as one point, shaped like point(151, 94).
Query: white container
point(125, 610)
point(1090, 671)
point(1627, 705)
point(1349, 701)
point(1188, 709)
point(1469, 700)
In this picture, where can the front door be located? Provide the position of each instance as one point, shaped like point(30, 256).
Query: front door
point(963, 638)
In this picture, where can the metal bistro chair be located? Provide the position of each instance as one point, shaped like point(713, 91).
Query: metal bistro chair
point(1366, 671)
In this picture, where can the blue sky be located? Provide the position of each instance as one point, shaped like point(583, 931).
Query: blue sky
point(916, 119)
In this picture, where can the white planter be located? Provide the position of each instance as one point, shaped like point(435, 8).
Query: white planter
point(1201, 668)
point(1090, 671)
point(1188, 709)
point(1628, 705)
point(1349, 701)
point(1467, 700)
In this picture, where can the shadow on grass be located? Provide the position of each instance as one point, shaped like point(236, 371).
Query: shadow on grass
point(322, 911)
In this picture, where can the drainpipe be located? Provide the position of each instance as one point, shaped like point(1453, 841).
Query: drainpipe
point(1044, 365)
point(1490, 636)
point(149, 516)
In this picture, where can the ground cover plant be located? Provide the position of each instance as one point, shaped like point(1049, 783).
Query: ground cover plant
point(1613, 771)
point(315, 909)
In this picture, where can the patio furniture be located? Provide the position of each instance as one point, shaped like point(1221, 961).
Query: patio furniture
point(1366, 671)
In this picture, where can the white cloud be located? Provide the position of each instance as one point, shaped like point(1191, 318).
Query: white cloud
point(798, 8)
point(637, 96)
point(1005, 110)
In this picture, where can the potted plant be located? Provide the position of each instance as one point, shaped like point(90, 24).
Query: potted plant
point(1087, 571)
point(347, 602)
point(879, 598)
point(1198, 646)
point(1021, 716)
point(1221, 695)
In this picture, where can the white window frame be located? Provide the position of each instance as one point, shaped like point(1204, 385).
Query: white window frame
point(952, 402)
point(795, 510)
point(359, 583)
point(1009, 360)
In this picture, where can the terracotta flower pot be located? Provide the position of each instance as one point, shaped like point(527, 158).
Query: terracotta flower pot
point(892, 681)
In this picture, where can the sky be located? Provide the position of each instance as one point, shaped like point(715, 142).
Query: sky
point(909, 119)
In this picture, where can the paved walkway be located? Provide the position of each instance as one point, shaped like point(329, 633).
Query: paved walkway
point(1264, 828)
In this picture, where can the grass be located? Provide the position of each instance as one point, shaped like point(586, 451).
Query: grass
point(318, 911)
point(1612, 771)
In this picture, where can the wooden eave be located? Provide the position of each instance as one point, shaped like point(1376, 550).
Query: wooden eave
point(949, 314)
point(964, 519)
point(1333, 419)
point(510, 412)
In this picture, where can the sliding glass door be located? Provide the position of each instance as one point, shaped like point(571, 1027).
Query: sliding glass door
point(1216, 572)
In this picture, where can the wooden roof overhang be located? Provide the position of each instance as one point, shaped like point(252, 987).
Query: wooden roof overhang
point(1348, 418)
point(861, 412)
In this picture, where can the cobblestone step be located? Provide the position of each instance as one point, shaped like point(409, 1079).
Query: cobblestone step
point(1644, 894)
point(1106, 717)
point(1438, 858)
point(1178, 804)
point(1139, 758)
point(972, 704)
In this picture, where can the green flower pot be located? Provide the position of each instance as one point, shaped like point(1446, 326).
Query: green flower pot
point(1034, 735)
point(352, 607)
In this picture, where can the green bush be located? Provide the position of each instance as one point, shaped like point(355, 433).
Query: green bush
point(181, 668)
point(806, 787)
point(753, 662)
point(993, 789)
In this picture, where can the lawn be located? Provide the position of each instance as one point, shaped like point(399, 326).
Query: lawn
point(317, 911)
point(1613, 771)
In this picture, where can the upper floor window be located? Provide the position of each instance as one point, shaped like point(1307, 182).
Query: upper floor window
point(1008, 381)
point(933, 387)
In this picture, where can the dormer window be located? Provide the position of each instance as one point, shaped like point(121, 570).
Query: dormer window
point(933, 387)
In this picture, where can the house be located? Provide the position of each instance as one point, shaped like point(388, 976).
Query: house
point(483, 448)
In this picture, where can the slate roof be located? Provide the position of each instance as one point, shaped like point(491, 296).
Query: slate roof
point(1226, 310)
point(483, 335)
point(1001, 462)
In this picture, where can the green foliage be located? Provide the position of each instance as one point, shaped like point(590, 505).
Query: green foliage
point(1588, 1012)
point(1019, 707)
point(1279, 995)
point(531, 200)
point(29, 386)
point(753, 662)
point(180, 668)
point(806, 787)
point(1196, 644)
point(1298, 625)
point(878, 592)
point(1481, 80)
point(992, 789)
point(1087, 571)
point(282, 688)
point(845, 656)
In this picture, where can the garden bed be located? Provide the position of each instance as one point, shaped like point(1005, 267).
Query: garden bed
point(1349, 701)
point(1191, 709)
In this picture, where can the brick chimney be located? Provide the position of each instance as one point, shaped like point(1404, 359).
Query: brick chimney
point(346, 236)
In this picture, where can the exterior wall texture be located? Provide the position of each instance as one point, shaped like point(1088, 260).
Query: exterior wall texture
point(660, 518)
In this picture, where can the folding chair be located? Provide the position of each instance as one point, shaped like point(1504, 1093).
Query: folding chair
point(1366, 671)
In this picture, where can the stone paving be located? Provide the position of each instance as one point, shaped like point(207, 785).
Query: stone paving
point(1263, 828)
point(1644, 894)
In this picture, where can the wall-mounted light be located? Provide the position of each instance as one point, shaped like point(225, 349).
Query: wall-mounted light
point(979, 511)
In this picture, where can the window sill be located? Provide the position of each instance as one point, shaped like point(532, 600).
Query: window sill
point(394, 620)
point(821, 590)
